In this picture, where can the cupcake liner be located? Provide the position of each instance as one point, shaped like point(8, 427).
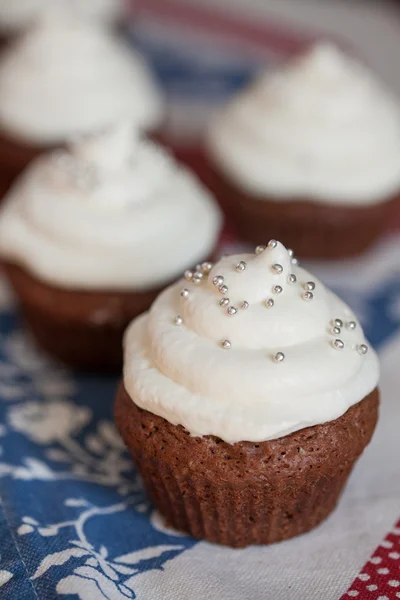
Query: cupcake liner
point(82, 329)
point(245, 493)
point(238, 517)
point(312, 230)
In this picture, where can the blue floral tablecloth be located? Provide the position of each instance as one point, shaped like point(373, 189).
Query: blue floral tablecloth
point(74, 520)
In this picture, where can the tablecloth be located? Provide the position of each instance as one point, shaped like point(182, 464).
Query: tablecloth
point(75, 522)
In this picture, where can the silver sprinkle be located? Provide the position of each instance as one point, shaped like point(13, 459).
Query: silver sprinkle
point(362, 349)
point(218, 280)
point(185, 293)
point(223, 289)
point(269, 303)
point(338, 323)
point(62, 159)
point(295, 262)
point(351, 325)
point(67, 164)
point(310, 286)
point(277, 269)
point(336, 331)
point(226, 344)
point(292, 278)
point(338, 344)
point(308, 296)
point(260, 249)
point(197, 279)
point(232, 310)
point(272, 244)
point(244, 305)
point(290, 252)
point(188, 275)
point(279, 357)
point(206, 267)
point(224, 301)
point(277, 289)
point(178, 320)
point(240, 266)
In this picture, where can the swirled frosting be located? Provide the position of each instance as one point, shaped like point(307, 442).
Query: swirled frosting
point(65, 78)
point(16, 15)
point(113, 212)
point(255, 360)
point(321, 127)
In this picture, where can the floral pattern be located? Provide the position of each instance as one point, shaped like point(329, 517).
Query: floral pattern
point(75, 533)
point(97, 571)
point(47, 424)
point(74, 519)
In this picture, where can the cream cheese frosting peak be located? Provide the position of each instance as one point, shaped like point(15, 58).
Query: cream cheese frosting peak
point(16, 15)
point(109, 150)
point(135, 221)
point(321, 127)
point(250, 349)
point(65, 78)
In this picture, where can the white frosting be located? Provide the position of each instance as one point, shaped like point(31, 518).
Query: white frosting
point(321, 127)
point(16, 15)
point(67, 78)
point(115, 212)
point(182, 373)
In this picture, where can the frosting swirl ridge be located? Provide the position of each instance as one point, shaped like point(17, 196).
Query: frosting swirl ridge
point(18, 14)
point(113, 211)
point(319, 127)
point(65, 77)
point(251, 349)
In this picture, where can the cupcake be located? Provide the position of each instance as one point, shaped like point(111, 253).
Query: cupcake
point(18, 15)
point(247, 399)
point(66, 78)
point(89, 236)
point(310, 153)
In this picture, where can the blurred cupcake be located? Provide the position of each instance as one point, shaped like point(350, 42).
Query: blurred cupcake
point(66, 78)
point(245, 415)
point(310, 153)
point(88, 237)
point(18, 15)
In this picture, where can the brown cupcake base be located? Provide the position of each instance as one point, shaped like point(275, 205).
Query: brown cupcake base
point(245, 493)
point(313, 230)
point(83, 329)
point(15, 155)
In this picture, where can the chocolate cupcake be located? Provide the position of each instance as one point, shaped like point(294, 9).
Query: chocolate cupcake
point(247, 399)
point(89, 236)
point(310, 153)
point(16, 16)
point(66, 78)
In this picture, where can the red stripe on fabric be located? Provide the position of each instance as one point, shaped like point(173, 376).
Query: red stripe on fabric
point(379, 579)
point(212, 20)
